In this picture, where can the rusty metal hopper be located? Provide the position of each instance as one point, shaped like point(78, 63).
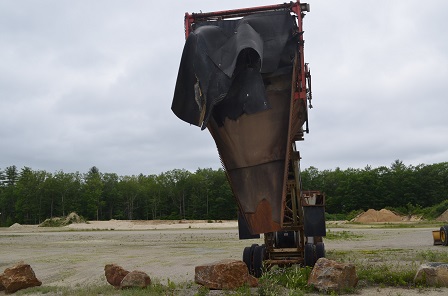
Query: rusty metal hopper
point(245, 80)
point(255, 150)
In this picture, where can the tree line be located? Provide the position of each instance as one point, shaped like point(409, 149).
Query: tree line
point(403, 188)
point(30, 196)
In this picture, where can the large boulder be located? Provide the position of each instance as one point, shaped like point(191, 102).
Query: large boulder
point(115, 274)
point(135, 279)
point(328, 275)
point(433, 274)
point(226, 274)
point(18, 277)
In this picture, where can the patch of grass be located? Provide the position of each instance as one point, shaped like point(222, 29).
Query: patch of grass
point(386, 274)
point(50, 290)
point(386, 225)
point(393, 256)
point(342, 235)
point(62, 221)
point(52, 222)
point(278, 280)
point(155, 289)
point(399, 225)
point(66, 291)
point(379, 252)
point(202, 291)
point(337, 255)
point(383, 267)
point(268, 286)
point(241, 291)
point(418, 224)
point(432, 256)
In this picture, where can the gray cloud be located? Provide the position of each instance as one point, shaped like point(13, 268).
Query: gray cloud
point(90, 83)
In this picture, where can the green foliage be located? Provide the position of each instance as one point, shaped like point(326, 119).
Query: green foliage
point(409, 189)
point(202, 291)
point(343, 216)
point(244, 290)
point(155, 289)
point(435, 210)
point(353, 214)
point(335, 217)
point(386, 267)
point(268, 286)
point(38, 197)
point(341, 235)
point(408, 209)
point(432, 256)
point(52, 222)
point(62, 221)
point(295, 279)
point(30, 197)
point(92, 193)
point(386, 274)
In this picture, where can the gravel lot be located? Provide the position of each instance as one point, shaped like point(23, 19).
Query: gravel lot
point(75, 255)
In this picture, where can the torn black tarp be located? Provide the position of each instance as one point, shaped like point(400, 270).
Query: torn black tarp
point(222, 64)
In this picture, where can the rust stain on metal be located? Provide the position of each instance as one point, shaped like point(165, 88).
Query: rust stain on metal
point(255, 151)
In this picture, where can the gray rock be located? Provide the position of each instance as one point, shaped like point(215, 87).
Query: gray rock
point(433, 274)
point(135, 279)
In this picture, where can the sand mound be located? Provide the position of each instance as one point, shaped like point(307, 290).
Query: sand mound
point(382, 215)
point(15, 225)
point(443, 217)
point(412, 218)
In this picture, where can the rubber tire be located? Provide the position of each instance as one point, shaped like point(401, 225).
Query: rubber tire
point(247, 258)
point(258, 257)
point(320, 250)
point(444, 235)
point(310, 255)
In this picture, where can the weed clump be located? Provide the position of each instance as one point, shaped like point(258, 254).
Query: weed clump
point(387, 275)
point(278, 280)
point(63, 221)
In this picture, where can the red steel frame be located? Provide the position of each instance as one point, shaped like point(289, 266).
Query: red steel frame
point(296, 7)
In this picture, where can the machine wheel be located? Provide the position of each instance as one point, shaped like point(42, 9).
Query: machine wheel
point(248, 254)
point(320, 250)
point(444, 235)
point(247, 258)
point(310, 252)
point(258, 258)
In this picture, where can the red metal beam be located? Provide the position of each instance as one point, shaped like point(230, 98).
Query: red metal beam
point(242, 11)
point(295, 7)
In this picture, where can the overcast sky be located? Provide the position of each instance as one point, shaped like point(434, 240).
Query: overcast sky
point(90, 83)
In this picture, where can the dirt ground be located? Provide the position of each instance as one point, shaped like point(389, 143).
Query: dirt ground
point(76, 254)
